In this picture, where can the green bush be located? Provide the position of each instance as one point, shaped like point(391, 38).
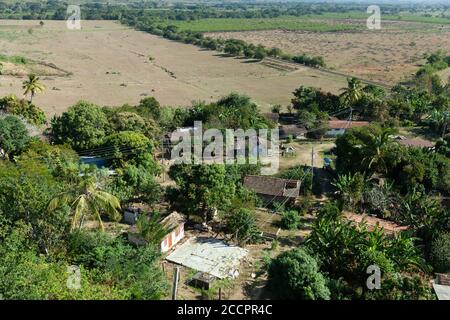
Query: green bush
point(290, 220)
point(295, 275)
point(21, 107)
point(440, 252)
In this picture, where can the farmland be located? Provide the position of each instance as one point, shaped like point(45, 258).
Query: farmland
point(321, 152)
point(388, 55)
point(109, 64)
point(243, 24)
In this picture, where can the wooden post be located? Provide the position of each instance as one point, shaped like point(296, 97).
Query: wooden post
point(176, 277)
point(220, 293)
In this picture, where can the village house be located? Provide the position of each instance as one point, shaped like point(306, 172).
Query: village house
point(292, 130)
point(337, 127)
point(271, 189)
point(174, 222)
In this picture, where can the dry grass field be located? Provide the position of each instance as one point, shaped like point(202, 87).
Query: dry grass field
point(109, 64)
point(387, 55)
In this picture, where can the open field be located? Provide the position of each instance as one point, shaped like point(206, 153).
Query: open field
point(387, 55)
point(109, 64)
point(303, 154)
point(243, 24)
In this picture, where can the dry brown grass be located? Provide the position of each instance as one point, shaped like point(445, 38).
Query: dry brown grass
point(110, 65)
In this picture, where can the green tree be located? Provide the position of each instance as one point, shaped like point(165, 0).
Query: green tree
point(32, 86)
point(353, 93)
point(21, 107)
point(26, 187)
point(13, 137)
point(151, 228)
point(150, 106)
point(85, 200)
point(241, 223)
point(128, 147)
point(260, 53)
point(350, 189)
point(290, 219)
point(201, 188)
point(295, 275)
point(83, 126)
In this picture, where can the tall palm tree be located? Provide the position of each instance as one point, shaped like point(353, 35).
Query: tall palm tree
point(353, 93)
point(374, 152)
point(32, 86)
point(87, 200)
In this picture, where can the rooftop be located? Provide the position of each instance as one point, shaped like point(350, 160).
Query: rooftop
point(344, 124)
point(174, 219)
point(291, 129)
point(272, 186)
point(209, 255)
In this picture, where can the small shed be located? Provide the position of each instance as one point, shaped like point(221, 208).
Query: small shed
point(174, 221)
point(202, 280)
point(131, 215)
point(337, 127)
point(271, 189)
point(293, 130)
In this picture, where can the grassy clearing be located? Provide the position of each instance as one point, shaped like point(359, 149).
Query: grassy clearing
point(316, 23)
point(244, 24)
point(13, 59)
point(399, 17)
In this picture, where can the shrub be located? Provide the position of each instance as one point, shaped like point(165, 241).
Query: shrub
point(22, 107)
point(295, 275)
point(290, 220)
point(440, 252)
point(242, 224)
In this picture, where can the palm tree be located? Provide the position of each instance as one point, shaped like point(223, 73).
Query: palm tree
point(374, 152)
point(353, 93)
point(87, 200)
point(151, 229)
point(32, 86)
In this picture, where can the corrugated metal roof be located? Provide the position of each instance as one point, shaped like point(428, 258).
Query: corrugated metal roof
point(209, 255)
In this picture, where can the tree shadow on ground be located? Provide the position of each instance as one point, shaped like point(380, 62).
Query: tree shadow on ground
point(257, 290)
